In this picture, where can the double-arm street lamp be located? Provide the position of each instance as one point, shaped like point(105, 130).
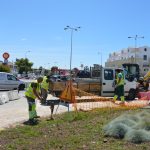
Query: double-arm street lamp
point(71, 29)
point(135, 38)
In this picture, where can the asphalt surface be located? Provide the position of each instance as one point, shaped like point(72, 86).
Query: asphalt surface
point(16, 112)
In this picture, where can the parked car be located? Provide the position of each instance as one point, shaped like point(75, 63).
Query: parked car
point(56, 78)
point(60, 78)
point(10, 82)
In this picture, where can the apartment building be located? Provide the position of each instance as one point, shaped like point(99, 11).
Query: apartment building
point(140, 55)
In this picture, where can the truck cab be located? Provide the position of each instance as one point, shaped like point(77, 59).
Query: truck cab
point(108, 88)
point(133, 70)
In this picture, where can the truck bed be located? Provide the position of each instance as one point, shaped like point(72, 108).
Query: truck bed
point(90, 87)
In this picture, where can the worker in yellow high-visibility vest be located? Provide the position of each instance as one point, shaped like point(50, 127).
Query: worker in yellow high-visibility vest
point(119, 89)
point(33, 92)
point(45, 86)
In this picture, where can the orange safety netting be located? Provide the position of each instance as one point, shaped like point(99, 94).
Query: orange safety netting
point(82, 100)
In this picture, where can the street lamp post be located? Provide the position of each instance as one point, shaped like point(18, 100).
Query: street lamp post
point(72, 29)
point(135, 38)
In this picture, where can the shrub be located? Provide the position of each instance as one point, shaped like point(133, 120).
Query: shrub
point(4, 68)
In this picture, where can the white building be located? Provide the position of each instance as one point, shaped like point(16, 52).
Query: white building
point(140, 55)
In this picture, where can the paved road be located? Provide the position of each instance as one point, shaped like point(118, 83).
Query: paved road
point(17, 111)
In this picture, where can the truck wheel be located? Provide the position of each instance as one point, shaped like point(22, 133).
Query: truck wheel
point(132, 94)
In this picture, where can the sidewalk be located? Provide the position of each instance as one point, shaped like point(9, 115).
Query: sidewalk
point(17, 111)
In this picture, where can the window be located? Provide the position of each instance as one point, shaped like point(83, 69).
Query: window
point(108, 74)
point(146, 69)
point(144, 57)
point(10, 77)
point(145, 49)
point(2, 77)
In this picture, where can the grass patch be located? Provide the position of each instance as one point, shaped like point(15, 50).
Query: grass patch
point(70, 131)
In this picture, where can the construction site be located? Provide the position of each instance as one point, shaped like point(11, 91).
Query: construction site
point(87, 95)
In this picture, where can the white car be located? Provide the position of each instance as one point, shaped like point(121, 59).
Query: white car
point(10, 82)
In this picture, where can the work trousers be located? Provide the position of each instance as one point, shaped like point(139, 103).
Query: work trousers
point(31, 108)
point(119, 92)
point(44, 94)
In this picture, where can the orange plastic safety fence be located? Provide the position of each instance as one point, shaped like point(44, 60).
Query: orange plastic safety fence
point(85, 101)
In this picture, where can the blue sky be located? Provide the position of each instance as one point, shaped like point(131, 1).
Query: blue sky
point(38, 26)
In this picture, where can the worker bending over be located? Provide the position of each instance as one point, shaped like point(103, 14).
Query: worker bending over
point(45, 86)
point(33, 92)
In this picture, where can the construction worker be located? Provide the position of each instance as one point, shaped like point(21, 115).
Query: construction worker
point(33, 92)
point(45, 85)
point(119, 89)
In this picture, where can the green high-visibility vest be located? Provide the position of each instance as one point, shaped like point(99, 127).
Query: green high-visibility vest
point(29, 91)
point(122, 79)
point(44, 84)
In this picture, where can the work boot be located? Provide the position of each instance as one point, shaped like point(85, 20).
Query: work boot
point(31, 122)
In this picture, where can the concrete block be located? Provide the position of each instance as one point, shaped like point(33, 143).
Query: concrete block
point(13, 95)
point(4, 97)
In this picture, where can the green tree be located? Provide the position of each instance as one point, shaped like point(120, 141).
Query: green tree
point(23, 65)
point(4, 68)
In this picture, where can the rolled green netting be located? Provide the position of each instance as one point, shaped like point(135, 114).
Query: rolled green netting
point(137, 136)
point(134, 128)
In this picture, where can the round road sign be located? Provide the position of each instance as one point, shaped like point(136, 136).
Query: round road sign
point(6, 55)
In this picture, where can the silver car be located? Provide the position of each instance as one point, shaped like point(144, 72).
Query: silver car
point(10, 82)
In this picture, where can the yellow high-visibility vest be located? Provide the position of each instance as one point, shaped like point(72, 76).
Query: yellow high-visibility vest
point(44, 84)
point(122, 79)
point(29, 91)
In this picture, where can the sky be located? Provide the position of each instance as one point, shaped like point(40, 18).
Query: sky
point(34, 29)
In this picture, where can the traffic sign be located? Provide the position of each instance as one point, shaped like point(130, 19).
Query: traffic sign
point(6, 55)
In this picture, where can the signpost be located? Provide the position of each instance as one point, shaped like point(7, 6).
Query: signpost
point(6, 56)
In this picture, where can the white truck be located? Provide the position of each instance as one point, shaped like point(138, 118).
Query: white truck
point(108, 78)
point(103, 86)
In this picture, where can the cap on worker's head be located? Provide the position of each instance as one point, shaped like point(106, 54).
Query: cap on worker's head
point(39, 79)
point(141, 79)
point(119, 69)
